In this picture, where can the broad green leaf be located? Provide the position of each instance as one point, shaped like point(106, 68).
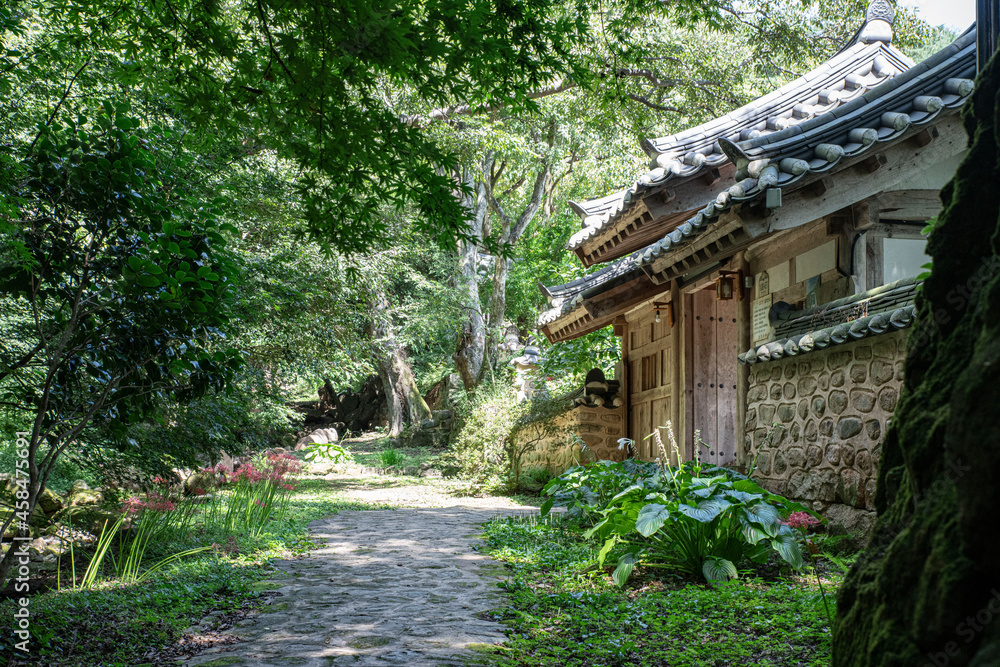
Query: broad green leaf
point(718, 570)
point(624, 569)
point(762, 513)
point(787, 546)
point(706, 511)
point(651, 518)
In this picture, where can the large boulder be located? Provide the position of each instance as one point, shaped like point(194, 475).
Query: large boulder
point(90, 518)
point(323, 436)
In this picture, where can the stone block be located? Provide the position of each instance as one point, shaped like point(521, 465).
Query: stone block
point(852, 520)
point(788, 391)
point(766, 415)
point(833, 454)
point(804, 368)
point(870, 488)
point(900, 365)
point(847, 454)
point(813, 485)
point(776, 372)
point(786, 413)
point(850, 489)
point(863, 461)
point(882, 371)
point(862, 352)
point(863, 400)
point(775, 392)
point(803, 408)
point(838, 359)
point(795, 457)
point(837, 378)
point(818, 406)
point(885, 348)
point(807, 385)
point(764, 463)
point(887, 399)
point(611, 419)
point(848, 427)
point(751, 421)
point(587, 416)
point(859, 373)
point(810, 432)
point(789, 371)
point(795, 432)
point(874, 429)
point(780, 465)
point(837, 401)
point(756, 394)
point(613, 431)
point(826, 427)
point(823, 381)
point(814, 456)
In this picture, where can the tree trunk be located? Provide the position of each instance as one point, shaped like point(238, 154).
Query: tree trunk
point(472, 344)
point(401, 392)
point(928, 585)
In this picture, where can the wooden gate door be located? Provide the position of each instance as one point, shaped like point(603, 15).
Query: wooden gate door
point(710, 373)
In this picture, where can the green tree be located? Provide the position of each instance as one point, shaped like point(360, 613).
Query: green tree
point(123, 284)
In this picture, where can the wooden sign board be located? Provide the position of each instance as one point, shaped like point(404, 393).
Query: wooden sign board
point(761, 327)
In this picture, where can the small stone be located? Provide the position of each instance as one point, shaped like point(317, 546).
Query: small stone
point(849, 490)
point(887, 399)
point(786, 413)
point(767, 414)
point(837, 402)
point(795, 432)
point(863, 352)
point(756, 394)
point(824, 381)
point(776, 392)
point(807, 386)
point(776, 373)
point(764, 463)
point(837, 379)
point(874, 429)
point(863, 400)
point(848, 427)
point(751, 420)
point(882, 371)
point(838, 359)
point(795, 457)
point(779, 463)
point(847, 454)
point(885, 348)
point(863, 461)
point(788, 391)
point(789, 371)
point(818, 406)
point(810, 431)
point(826, 427)
point(814, 456)
point(833, 454)
point(803, 408)
point(859, 373)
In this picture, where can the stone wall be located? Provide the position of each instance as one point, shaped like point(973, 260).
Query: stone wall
point(598, 428)
point(834, 406)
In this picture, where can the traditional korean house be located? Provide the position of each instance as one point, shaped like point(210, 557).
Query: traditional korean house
point(764, 270)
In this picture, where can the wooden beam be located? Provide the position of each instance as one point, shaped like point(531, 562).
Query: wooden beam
point(855, 183)
point(623, 297)
point(918, 205)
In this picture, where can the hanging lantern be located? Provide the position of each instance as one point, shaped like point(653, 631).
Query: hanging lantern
point(724, 288)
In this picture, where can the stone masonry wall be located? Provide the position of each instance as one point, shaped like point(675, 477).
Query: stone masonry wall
point(599, 428)
point(834, 405)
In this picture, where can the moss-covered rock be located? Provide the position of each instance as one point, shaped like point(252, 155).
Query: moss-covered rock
point(923, 592)
point(90, 518)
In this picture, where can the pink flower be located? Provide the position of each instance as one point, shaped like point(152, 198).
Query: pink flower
point(197, 492)
point(802, 520)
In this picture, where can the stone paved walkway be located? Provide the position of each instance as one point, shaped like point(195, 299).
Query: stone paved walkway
point(388, 587)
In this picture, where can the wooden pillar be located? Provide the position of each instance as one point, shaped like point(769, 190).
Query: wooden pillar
point(677, 366)
point(743, 333)
point(621, 330)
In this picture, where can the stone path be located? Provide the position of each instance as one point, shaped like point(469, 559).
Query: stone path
point(388, 587)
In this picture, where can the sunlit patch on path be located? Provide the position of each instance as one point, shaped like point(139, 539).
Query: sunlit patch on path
point(385, 587)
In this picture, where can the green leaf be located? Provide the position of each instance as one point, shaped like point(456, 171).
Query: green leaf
point(718, 570)
point(624, 569)
point(148, 281)
point(651, 518)
point(762, 513)
point(787, 546)
point(706, 511)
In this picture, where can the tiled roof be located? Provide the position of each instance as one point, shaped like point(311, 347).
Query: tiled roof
point(845, 77)
point(566, 298)
point(881, 310)
point(940, 84)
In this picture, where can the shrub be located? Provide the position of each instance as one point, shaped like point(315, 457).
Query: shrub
point(699, 519)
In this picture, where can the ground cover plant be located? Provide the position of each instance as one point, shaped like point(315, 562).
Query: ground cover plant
point(563, 612)
point(119, 621)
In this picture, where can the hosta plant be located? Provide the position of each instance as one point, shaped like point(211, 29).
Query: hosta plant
point(586, 490)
